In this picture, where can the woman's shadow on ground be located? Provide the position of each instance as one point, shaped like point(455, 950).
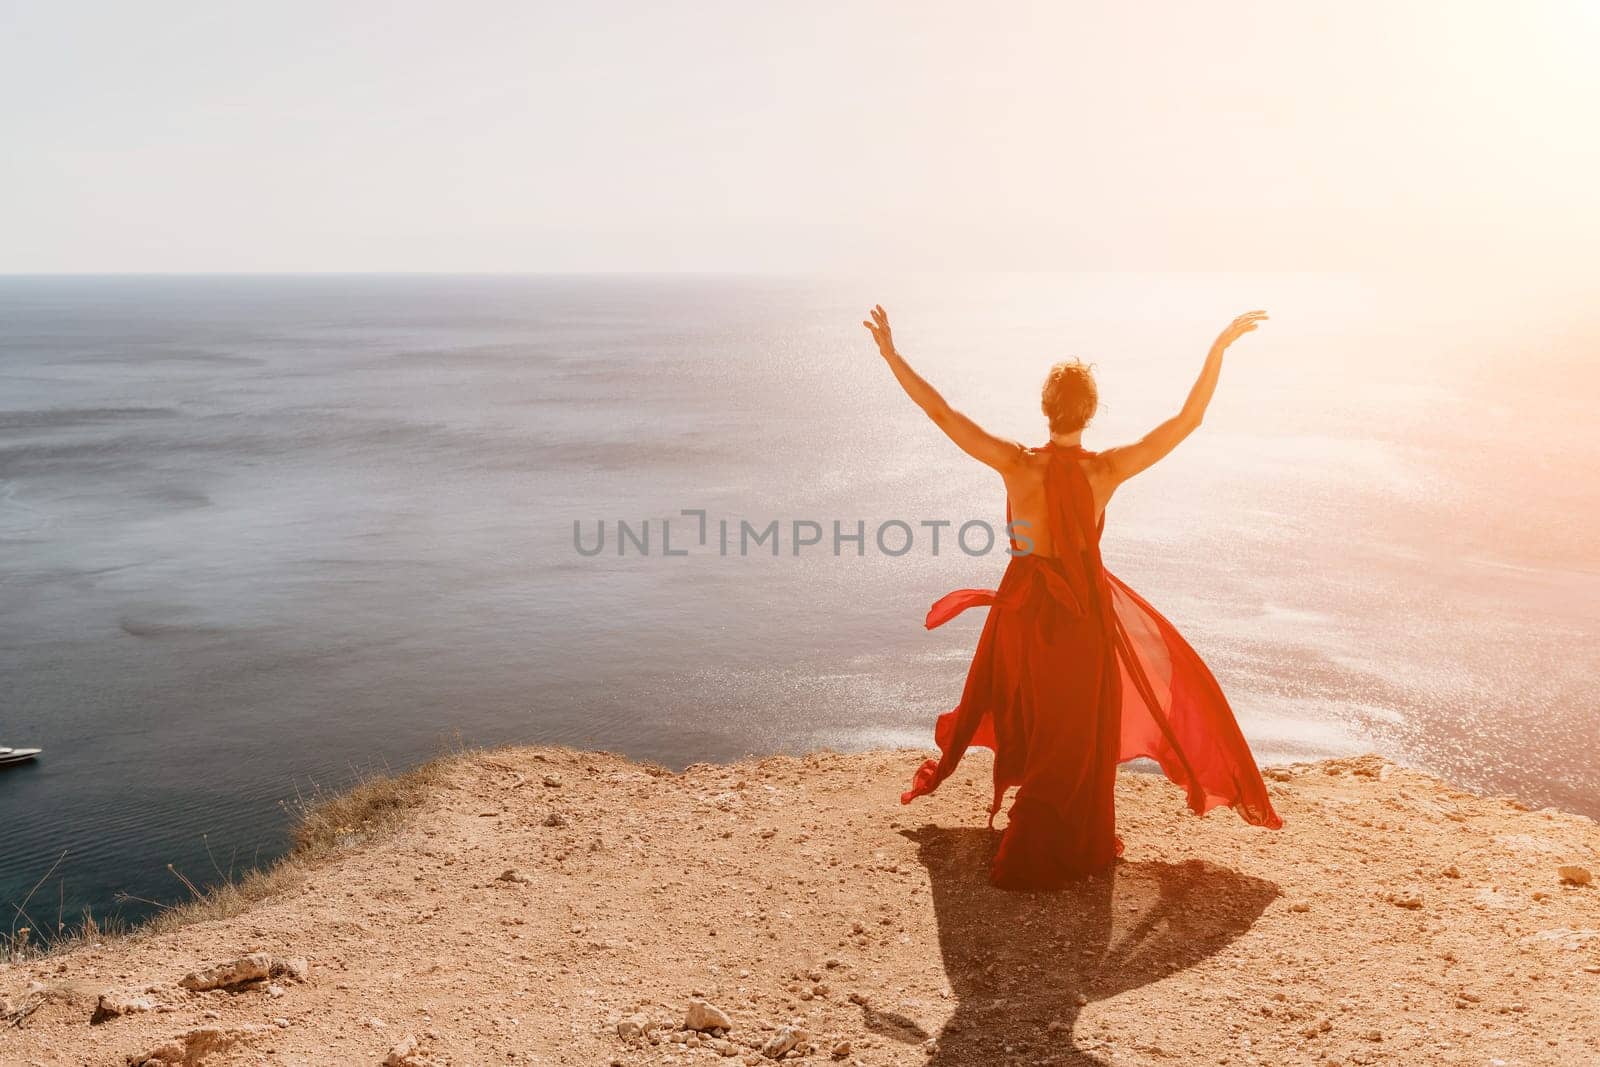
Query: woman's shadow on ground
point(1019, 964)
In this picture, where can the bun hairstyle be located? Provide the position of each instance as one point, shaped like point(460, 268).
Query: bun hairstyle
point(1070, 396)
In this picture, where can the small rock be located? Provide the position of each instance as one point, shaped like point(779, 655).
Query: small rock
point(409, 1053)
point(781, 1042)
point(552, 780)
point(1409, 898)
point(274, 990)
point(510, 874)
point(251, 968)
point(294, 968)
point(111, 1005)
point(841, 1049)
point(555, 818)
point(1300, 905)
point(376, 1023)
point(634, 1026)
point(1572, 874)
point(703, 1016)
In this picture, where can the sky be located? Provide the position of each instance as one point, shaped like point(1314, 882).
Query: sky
point(490, 135)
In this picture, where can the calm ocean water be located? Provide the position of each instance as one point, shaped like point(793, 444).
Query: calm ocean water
point(259, 535)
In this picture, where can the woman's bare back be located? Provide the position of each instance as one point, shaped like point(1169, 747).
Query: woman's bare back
point(1025, 493)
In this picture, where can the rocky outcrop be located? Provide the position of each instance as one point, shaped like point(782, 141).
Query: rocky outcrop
point(790, 909)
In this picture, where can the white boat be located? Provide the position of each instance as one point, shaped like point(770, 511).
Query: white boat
point(17, 755)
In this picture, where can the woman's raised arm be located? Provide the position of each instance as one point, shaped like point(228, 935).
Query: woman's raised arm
point(974, 440)
point(1124, 461)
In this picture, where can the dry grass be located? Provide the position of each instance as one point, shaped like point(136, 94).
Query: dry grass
point(325, 824)
point(328, 823)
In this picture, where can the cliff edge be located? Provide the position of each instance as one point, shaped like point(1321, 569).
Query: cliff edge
point(551, 906)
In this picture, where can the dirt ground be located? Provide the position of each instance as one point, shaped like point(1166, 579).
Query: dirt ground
point(550, 906)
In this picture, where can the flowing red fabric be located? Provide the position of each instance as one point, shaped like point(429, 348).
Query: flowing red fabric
point(1075, 673)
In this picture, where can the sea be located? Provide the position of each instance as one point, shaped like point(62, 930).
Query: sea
point(262, 536)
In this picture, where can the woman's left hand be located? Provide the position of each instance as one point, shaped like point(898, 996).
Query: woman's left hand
point(1238, 328)
point(878, 326)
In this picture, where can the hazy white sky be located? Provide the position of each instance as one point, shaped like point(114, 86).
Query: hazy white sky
point(167, 136)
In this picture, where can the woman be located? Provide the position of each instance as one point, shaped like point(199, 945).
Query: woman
point(1074, 672)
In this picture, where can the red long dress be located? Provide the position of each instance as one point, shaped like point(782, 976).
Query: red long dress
point(1074, 673)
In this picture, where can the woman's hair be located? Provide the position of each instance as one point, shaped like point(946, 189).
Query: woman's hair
point(1070, 397)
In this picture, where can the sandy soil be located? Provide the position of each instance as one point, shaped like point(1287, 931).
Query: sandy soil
point(540, 897)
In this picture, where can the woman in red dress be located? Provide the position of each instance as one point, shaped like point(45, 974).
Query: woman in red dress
point(1074, 673)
